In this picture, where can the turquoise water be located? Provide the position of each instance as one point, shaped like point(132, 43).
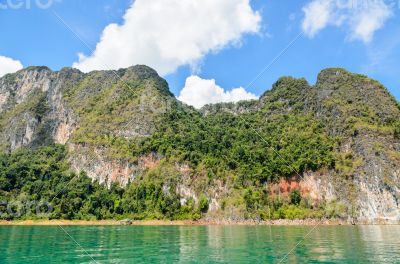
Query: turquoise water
point(199, 244)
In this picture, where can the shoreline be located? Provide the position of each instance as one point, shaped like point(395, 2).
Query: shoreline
point(201, 222)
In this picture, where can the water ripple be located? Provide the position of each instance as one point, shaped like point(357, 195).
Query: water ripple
point(200, 244)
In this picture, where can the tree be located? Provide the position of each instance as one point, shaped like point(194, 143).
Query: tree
point(203, 204)
point(295, 197)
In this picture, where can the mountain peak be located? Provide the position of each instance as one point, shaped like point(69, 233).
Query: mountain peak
point(143, 71)
point(333, 73)
point(37, 68)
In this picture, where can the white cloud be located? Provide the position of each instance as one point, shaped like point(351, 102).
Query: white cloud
point(199, 92)
point(317, 15)
point(165, 34)
point(371, 19)
point(361, 18)
point(8, 65)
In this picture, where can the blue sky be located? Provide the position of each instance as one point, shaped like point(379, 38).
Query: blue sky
point(37, 36)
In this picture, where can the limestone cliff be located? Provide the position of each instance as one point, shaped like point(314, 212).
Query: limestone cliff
point(105, 117)
point(92, 113)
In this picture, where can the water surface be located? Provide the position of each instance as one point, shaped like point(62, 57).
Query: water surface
point(199, 244)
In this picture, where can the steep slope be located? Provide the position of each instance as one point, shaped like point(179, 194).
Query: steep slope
point(100, 115)
point(365, 118)
point(328, 150)
point(337, 141)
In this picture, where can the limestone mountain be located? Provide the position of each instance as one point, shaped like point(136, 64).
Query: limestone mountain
point(326, 150)
point(99, 115)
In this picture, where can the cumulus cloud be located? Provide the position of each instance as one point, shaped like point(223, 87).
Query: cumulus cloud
point(165, 34)
point(199, 92)
point(316, 16)
point(8, 65)
point(361, 18)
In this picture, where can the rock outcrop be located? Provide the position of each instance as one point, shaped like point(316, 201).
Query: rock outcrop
point(103, 116)
point(88, 112)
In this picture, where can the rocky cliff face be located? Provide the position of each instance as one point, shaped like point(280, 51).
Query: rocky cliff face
point(91, 113)
point(104, 116)
point(360, 112)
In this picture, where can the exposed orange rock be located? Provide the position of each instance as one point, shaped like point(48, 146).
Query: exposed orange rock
point(149, 161)
point(285, 186)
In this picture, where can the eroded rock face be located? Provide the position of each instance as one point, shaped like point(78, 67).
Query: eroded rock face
point(343, 102)
point(377, 176)
point(91, 113)
point(39, 107)
point(32, 108)
point(16, 88)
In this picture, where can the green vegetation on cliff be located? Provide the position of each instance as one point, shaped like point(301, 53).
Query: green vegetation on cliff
point(39, 180)
point(232, 157)
point(252, 149)
point(38, 184)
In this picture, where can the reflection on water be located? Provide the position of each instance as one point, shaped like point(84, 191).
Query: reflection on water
point(200, 244)
point(381, 243)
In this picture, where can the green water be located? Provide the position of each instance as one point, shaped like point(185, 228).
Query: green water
point(199, 244)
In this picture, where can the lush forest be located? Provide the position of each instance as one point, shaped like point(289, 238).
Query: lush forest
point(338, 127)
point(257, 151)
point(240, 150)
point(37, 184)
